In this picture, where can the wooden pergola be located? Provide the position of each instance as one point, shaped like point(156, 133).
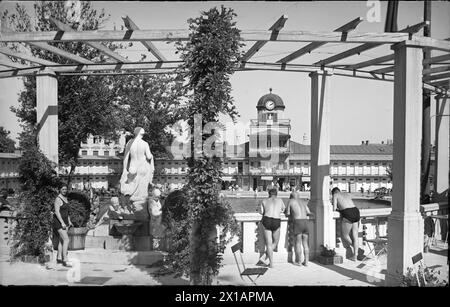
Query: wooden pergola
point(404, 65)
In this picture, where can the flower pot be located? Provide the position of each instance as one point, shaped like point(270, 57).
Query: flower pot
point(330, 259)
point(77, 237)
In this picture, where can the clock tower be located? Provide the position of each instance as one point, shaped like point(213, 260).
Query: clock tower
point(269, 146)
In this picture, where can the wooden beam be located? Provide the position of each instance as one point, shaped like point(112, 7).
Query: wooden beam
point(62, 53)
point(383, 70)
point(92, 67)
point(183, 35)
point(311, 46)
point(442, 83)
point(130, 25)
point(379, 60)
point(357, 50)
point(437, 59)
point(25, 57)
point(70, 56)
point(5, 61)
point(439, 69)
point(100, 47)
point(436, 77)
point(275, 28)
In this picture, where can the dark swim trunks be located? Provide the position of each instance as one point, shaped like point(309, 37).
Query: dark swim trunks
point(300, 226)
point(351, 214)
point(271, 223)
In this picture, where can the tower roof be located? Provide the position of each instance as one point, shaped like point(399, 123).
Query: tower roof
point(279, 104)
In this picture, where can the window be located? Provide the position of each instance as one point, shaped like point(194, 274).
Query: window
point(84, 152)
point(96, 140)
point(106, 153)
point(95, 152)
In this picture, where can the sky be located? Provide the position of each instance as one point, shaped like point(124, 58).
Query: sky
point(360, 109)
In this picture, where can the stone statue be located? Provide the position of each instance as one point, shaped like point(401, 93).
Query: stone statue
point(138, 168)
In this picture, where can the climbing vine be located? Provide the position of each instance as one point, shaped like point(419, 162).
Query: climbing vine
point(209, 57)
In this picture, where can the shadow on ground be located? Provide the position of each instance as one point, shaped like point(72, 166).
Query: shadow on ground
point(352, 274)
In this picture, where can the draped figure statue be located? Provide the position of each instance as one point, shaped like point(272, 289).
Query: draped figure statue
point(138, 167)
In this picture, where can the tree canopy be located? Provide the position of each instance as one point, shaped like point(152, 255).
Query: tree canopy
point(6, 143)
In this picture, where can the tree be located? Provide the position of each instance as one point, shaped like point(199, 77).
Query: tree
point(152, 102)
point(210, 57)
point(6, 143)
point(85, 103)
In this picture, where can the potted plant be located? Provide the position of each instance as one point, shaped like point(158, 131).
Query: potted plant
point(79, 212)
point(328, 256)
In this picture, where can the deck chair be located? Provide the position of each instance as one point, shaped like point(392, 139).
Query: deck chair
point(418, 259)
point(251, 273)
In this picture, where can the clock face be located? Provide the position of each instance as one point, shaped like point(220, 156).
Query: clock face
point(270, 105)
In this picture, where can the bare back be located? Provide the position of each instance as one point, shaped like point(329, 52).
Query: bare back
point(298, 209)
point(343, 201)
point(272, 207)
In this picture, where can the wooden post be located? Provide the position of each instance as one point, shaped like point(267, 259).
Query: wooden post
point(405, 237)
point(442, 131)
point(47, 114)
point(320, 162)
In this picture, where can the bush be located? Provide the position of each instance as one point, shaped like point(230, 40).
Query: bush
point(39, 188)
point(79, 208)
point(431, 276)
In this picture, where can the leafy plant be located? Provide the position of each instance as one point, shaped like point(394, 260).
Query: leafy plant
point(79, 208)
point(430, 274)
point(327, 252)
point(34, 218)
point(6, 143)
point(209, 57)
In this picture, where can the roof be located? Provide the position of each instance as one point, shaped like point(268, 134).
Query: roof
point(369, 149)
point(10, 155)
point(272, 97)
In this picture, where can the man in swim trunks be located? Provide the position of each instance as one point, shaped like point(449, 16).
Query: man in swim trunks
point(271, 209)
point(343, 203)
point(298, 212)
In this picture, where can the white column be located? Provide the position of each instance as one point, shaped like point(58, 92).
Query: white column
point(320, 162)
point(405, 226)
point(441, 165)
point(47, 114)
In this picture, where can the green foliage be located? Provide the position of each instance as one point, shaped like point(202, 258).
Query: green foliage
point(430, 274)
point(152, 102)
point(79, 208)
point(210, 57)
point(39, 189)
point(6, 143)
point(174, 213)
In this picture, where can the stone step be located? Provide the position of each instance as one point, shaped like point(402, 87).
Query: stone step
point(143, 243)
point(103, 256)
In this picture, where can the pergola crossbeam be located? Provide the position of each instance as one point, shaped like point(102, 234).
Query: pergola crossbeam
point(442, 83)
point(375, 61)
point(357, 50)
point(130, 25)
point(44, 46)
point(5, 61)
point(100, 47)
point(25, 57)
point(310, 47)
point(437, 59)
point(437, 77)
point(275, 28)
point(434, 70)
point(383, 70)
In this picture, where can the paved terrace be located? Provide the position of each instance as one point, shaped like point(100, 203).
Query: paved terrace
point(283, 274)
